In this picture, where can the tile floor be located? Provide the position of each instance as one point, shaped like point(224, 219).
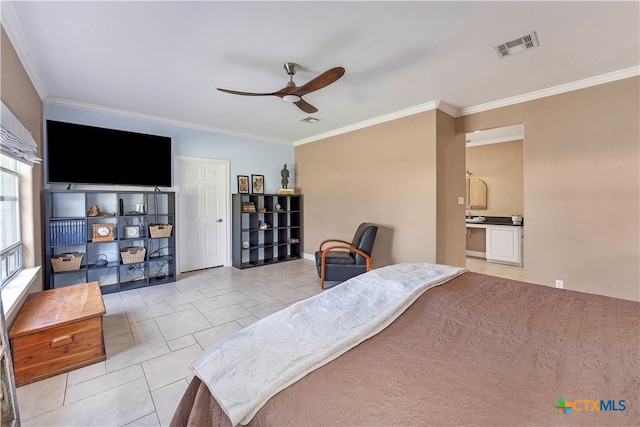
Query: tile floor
point(493, 269)
point(153, 334)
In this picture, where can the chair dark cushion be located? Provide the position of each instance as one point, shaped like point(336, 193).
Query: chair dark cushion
point(335, 257)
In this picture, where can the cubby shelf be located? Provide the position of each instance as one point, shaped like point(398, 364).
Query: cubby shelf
point(254, 246)
point(69, 227)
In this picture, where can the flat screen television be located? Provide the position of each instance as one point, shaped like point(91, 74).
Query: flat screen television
point(80, 154)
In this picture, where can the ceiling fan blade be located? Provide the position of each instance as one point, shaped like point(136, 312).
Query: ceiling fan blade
point(305, 106)
point(324, 79)
point(235, 92)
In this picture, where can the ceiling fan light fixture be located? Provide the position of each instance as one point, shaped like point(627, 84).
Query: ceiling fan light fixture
point(291, 98)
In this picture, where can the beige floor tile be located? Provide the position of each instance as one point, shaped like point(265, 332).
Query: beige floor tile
point(148, 343)
point(220, 301)
point(102, 383)
point(180, 324)
point(115, 324)
point(209, 336)
point(170, 367)
point(40, 397)
point(226, 314)
point(149, 312)
point(150, 420)
point(478, 265)
point(181, 342)
point(246, 321)
point(115, 407)
point(263, 310)
point(167, 398)
point(88, 372)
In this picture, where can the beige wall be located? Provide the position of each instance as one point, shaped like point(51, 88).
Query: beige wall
point(450, 246)
point(582, 189)
point(385, 174)
point(388, 174)
point(20, 96)
point(581, 186)
point(500, 166)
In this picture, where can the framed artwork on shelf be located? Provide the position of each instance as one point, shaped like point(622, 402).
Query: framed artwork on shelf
point(243, 184)
point(257, 184)
point(132, 231)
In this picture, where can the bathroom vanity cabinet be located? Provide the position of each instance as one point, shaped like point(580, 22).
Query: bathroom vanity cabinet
point(504, 243)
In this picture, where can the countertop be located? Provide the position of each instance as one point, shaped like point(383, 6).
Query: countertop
point(494, 220)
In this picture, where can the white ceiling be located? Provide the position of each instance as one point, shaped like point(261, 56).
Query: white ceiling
point(164, 60)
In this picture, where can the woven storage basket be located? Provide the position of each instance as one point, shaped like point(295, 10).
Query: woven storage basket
point(160, 230)
point(66, 262)
point(133, 254)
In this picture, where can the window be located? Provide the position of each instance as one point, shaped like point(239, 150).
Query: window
point(10, 242)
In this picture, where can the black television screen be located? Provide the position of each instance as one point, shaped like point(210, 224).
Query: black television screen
point(80, 154)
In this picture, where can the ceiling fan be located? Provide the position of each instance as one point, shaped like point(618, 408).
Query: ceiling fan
point(292, 93)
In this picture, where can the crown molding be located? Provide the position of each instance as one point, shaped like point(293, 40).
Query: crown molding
point(157, 119)
point(371, 122)
point(447, 108)
point(554, 90)
point(14, 31)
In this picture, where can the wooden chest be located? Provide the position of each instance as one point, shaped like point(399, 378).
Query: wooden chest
point(57, 331)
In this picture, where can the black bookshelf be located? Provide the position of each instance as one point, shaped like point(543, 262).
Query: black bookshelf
point(134, 222)
point(267, 228)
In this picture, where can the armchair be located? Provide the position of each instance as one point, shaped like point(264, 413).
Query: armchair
point(342, 260)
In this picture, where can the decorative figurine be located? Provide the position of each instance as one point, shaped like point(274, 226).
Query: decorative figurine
point(284, 173)
point(245, 245)
point(95, 211)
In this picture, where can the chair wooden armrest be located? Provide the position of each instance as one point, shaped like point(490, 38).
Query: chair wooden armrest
point(333, 240)
point(349, 248)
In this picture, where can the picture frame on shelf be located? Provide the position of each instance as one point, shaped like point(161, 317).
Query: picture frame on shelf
point(131, 232)
point(257, 184)
point(243, 184)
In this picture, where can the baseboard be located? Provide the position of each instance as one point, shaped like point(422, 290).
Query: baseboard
point(477, 254)
point(310, 257)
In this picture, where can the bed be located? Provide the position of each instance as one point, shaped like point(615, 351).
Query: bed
point(475, 349)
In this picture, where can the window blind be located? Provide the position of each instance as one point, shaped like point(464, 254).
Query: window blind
point(15, 140)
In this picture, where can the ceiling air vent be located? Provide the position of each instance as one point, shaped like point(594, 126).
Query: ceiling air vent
point(518, 45)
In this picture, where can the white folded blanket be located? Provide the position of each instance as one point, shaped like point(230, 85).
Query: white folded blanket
point(245, 370)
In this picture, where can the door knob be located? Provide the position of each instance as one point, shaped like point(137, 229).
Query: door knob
point(219, 220)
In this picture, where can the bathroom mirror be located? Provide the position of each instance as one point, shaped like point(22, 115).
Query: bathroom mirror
point(476, 194)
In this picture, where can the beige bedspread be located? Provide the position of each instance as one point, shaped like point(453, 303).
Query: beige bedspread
point(478, 350)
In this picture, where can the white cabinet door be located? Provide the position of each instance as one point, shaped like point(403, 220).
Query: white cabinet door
point(504, 244)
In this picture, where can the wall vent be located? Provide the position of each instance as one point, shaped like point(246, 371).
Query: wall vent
point(525, 42)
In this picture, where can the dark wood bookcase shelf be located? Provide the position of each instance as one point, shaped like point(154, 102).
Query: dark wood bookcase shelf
point(253, 245)
point(68, 228)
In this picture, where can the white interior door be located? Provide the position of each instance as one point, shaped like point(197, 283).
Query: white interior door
point(202, 212)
